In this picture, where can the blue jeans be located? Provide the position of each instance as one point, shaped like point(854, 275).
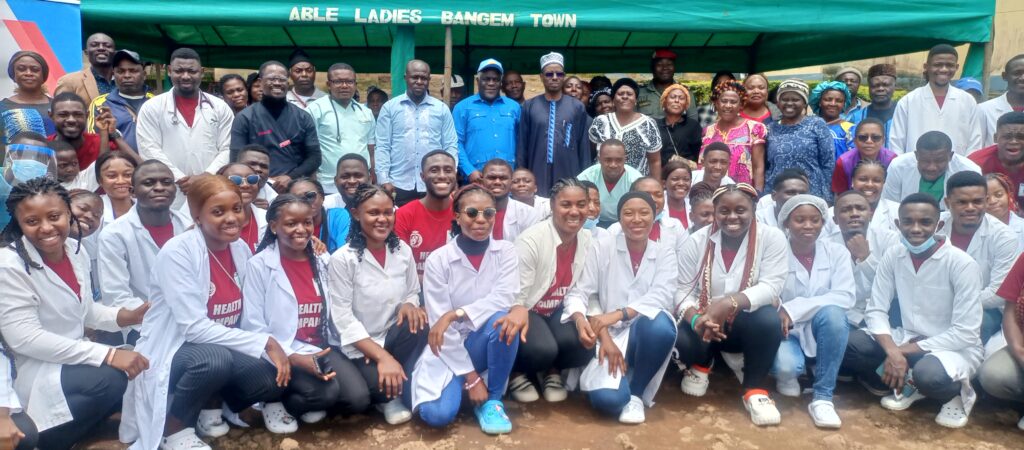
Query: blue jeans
point(650, 342)
point(487, 353)
point(830, 329)
point(991, 323)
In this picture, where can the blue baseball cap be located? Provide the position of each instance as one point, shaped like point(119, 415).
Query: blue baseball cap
point(968, 84)
point(490, 63)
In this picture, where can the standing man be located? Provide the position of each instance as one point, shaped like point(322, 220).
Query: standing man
point(663, 72)
point(303, 75)
point(1007, 155)
point(514, 87)
point(342, 124)
point(937, 106)
point(410, 126)
point(184, 128)
point(1012, 100)
point(125, 100)
point(90, 82)
point(851, 77)
point(486, 123)
point(553, 140)
point(285, 130)
point(881, 86)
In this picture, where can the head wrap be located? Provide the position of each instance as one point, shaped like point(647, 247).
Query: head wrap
point(742, 187)
point(852, 70)
point(673, 87)
point(39, 58)
point(603, 91)
point(298, 56)
point(552, 58)
point(824, 87)
point(878, 70)
point(968, 84)
point(636, 194)
point(800, 200)
point(627, 82)
point(22, 119)
point(797, 86)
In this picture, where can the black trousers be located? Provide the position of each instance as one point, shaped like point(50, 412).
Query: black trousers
point(28, 428)
point(404, 346)
point(864, 355)
point(403, 196)
point(755, 334)
point(550, 344)
point(116, 338)
point(93, 394)
point(306, 392)
point(199, 371)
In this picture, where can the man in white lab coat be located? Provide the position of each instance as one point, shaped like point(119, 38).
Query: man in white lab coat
point(925, 170)
point(788, 184)
point(992, 244)
point(937, 106)
point(1012, 100)
point(937, 349)
point(514, 216)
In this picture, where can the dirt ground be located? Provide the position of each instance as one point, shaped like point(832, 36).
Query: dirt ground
point(717, 421)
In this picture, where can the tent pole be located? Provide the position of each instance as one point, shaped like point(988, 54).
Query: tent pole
point(159, 78)
point(446, 84)
point(986, 65)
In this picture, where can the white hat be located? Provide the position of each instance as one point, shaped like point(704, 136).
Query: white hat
point(457, 81)
point(552, 58)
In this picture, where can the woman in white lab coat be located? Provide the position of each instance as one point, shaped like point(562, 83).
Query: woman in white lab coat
point(254, 224)
point(730, 277)
point(469, 285)
point(631, 324)
point(375, 303)
point(128, 246)
point(67, 384)
point(677, 176)
point(666, 229)
point(817, 293)
point(191, 335)
point(114, 174)
point(285, 296)
point(869, 178)
point(1004, 206)
point(16, 427)
point(593, 210)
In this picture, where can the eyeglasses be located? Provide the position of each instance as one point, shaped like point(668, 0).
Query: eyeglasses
point(309, 196)
point(1008, 137)
point(870, 137)
point(554, 74)
point(489, 213)
point(342, 82)
point(275, 80)
point(248, 179)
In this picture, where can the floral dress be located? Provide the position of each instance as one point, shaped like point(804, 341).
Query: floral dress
point(740, 139)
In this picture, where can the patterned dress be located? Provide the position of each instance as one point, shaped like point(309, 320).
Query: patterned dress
point(807, 145)
point(740, 139)
point(641, 137)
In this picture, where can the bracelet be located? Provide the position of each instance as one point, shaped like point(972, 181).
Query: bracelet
point(625, 315)
point(735, 305)
point(472, 385)
point(110, 355)
point(693, 321)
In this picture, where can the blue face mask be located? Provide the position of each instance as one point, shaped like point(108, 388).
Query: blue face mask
point(660, 215)
point(27, 169)
point(590, 223)
point(918, 249)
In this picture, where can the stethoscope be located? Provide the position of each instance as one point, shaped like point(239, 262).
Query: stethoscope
point(202, 99)
point(337, 123)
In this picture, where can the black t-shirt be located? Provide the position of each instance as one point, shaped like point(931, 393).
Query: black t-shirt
point(682, 138)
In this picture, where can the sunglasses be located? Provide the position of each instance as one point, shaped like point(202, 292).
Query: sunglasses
point(870, 137)
point(309, 196)
point(489, 213)
point(554, 74)
point(248, 179)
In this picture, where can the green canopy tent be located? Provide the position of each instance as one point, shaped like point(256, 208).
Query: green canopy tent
point(603, 36)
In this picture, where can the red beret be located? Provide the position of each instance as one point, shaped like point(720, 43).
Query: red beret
point(664, 53)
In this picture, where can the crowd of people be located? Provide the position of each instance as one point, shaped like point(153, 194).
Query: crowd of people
point(182, 257)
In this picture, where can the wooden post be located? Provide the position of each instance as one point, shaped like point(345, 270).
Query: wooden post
point(986, 65)
point(159, 78)
point(446, 84)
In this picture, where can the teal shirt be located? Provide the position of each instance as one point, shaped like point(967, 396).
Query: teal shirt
point(341, 131)
point(610, 200)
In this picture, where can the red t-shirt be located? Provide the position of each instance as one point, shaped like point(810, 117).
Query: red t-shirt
point(940, 99)
point(89, 150)
point(610, 185)
point(224, 305)
point(728, 256)
point(311, 306)
point(806, 260)
point(1018, 108)
point(475, 260)
point(424, 230)
point(767, 115)
point(160, 234)
point(919, 260)
point(316, 231)
point(680, 215)
point(635, 258)
point(250, 234)
point(1013, 285)
point(552, 299)
point(988, 159)
point(840, 183)
point(187, 108)
point(66, 272)
point(499, 225)
point(655, 234)
point(380, 254)
point(961, 241)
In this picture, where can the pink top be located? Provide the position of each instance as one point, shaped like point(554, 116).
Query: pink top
point(740, 140)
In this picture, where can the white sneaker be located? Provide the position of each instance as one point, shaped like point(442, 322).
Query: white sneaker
point(232, 417)
point(695, 382)
point(313, 416)
point(554, 388)
point(1020, 424)
point(824, 415)
point(633, 413)
point(277, 419)
point(762, 410)
point(735, 362)
point(184, 440)
point(788, 387)
point(522, 389)
point(952, 414)
point(890, 401)
point(211, 424)
point(395, 412)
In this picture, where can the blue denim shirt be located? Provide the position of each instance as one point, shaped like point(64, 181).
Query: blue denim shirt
point(486, 131)
point(407, 131)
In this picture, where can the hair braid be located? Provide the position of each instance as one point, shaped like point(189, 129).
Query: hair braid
point(12, 233)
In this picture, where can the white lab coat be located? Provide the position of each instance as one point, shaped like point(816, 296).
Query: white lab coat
point(542, 206)
point(8, 396)
point(918, 113)
point(269, 305)
point(880, 240)
point(771, 266)
point(450, 282)
point(334, 201)
point(269, 194)
point(43, 323)
point(765, 214)
point(164, 135)
point(258, 213)
point(990, 112)
point(365, 297)
point(1017, 225)
point(538, 260)
point(885, 215)
point(673, 234)
point(994, 248)
point(829, 282)
point(608, 275)
point(904, 179)
point(518, 217)
point(86, 179)
point(938, 302)
point(179, 292)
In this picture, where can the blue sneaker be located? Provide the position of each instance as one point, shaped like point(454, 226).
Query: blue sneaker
point(492, 417)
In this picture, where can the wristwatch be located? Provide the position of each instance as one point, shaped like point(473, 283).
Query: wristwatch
point(460, 314)
point(116, 134)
